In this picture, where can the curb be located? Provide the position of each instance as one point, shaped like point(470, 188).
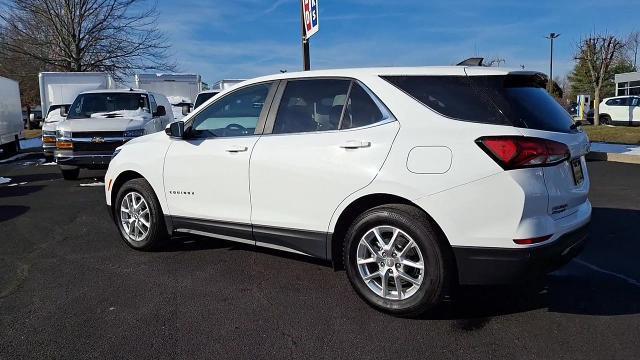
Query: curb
point(602, 156)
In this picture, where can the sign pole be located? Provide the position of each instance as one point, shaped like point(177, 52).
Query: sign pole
point(306, 59)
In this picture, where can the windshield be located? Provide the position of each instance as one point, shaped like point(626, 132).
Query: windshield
point(203, 97)
point(107, 105)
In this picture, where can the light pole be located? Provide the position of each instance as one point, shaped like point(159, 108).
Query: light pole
point(551, 37)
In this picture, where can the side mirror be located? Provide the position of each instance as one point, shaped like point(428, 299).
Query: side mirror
point(175, 129)
point(64, 111)
point(186, 109)
point(160, 111)
point(32, 117)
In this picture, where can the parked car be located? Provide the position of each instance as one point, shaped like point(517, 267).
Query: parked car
point(11, 125)
point(412, 179)
point(620, 110)
point(101, 120)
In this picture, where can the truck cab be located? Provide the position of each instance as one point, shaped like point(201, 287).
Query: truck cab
point(99, 121)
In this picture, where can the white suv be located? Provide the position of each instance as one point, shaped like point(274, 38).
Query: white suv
point(412, 179)
point(620, 110)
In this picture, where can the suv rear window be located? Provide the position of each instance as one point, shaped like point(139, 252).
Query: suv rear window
point(516, 100)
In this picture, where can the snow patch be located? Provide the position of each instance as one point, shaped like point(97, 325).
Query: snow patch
point(50, 164)
point(31, 143)
point(615, 148)
point(93, 184)
point(4, 180)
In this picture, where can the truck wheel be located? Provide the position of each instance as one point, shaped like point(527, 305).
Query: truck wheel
point(139, 216)
point(71, 174)
point(394, 260)
point(11, 148)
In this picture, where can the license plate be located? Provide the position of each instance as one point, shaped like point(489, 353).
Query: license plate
point(578, 176)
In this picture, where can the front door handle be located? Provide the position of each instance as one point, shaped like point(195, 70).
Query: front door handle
point(355, 144)
point(237, 149)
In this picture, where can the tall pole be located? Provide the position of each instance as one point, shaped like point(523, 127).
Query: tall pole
point(306, 60)
point(551, 37)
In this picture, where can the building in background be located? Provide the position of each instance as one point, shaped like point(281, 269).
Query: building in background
point(628, 83)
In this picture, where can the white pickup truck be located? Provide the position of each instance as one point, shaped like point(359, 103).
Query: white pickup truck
point(101, 120)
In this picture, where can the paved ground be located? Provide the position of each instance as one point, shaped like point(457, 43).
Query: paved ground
point(70, 289)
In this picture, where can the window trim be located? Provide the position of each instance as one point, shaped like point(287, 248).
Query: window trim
point(387, 115)
point(260, 125)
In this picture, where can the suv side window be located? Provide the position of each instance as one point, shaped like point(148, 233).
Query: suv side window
point(311, 105)
point(618, 102)
point(361, 110)
point(236, 114)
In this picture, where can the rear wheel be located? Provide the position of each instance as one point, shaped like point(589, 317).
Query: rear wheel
point(70, 174)
point(139, 216)
point(605, 120)
point(11, 148)
point(394, 260)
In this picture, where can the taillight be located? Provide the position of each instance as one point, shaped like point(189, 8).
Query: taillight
point(514, 152)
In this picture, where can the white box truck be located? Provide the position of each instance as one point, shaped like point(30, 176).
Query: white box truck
point(11, 125)
point(59, 89)
point(180, 89)
point(226, 84)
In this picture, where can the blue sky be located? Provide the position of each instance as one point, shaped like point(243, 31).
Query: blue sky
point(247, 38)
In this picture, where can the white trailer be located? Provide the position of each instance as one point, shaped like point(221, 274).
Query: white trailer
point(226, 84)
point(61, 88)
point(11, 124)
point(178, 88)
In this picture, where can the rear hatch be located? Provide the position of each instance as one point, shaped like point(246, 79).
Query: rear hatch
point(522, 99)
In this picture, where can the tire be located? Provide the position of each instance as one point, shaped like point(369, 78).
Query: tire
point(12, 148)
point(412, 224)
point(156, 231)
point(605, 120)
point(71, 174)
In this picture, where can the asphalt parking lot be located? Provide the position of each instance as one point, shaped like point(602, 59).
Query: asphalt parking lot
point(69, 288)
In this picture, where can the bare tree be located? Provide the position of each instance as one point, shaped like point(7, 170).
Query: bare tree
point(599, 52)
point(633, 45)
point(114, 36)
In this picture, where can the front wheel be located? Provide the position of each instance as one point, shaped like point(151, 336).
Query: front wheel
point(139, 216)
point(394, 260)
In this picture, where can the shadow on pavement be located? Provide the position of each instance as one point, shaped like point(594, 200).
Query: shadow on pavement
point(602, 281)
point(19, 190)
point(8, 212)
point(613, 247)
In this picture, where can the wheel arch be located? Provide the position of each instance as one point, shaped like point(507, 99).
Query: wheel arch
point(120, 180)
point(357, 207)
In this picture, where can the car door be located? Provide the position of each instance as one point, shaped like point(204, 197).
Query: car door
point(326, 139)
point(207, 174)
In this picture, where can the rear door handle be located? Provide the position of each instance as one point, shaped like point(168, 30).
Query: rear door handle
point(237, 149)
point(355, 144)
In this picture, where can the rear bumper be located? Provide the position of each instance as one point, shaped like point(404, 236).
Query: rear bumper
point(493, 266)
point(82, 159)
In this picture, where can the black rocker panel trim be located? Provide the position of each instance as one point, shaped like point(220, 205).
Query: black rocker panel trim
point(312, 243)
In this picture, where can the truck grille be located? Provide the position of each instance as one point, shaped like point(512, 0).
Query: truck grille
point(105, 146)
point(102, 134)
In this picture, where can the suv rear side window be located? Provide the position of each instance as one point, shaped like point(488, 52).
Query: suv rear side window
point(517, 100)
point(361, 110)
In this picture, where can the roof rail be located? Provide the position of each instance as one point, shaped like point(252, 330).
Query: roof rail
point(474, 61)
